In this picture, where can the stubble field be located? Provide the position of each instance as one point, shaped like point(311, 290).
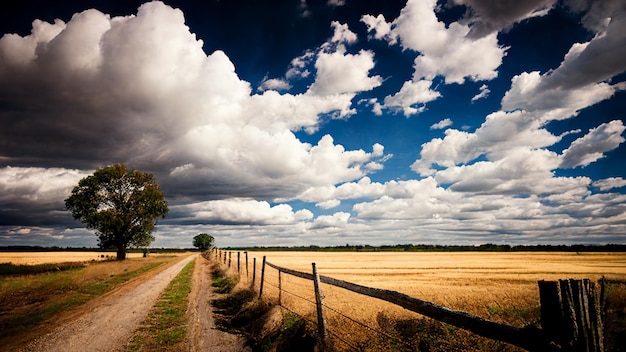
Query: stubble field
point(34, 258)
point(497, 286)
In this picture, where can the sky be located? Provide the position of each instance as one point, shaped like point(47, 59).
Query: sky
point(320, 122)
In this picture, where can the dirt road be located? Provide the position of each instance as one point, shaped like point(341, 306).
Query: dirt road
point(202, 335)
point(112, 320)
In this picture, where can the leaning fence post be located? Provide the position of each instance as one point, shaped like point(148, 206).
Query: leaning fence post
point(321, 323)
point(262, 278)
point(571, 315)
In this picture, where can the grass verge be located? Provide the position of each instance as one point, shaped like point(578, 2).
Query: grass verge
point(166, 325)
point(9, 269)
point(29, 300)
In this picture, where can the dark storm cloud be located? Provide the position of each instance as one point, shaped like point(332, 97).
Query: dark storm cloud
point(488, 16)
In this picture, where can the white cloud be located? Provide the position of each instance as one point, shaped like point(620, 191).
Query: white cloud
point(609, 183)
point(446, 51)
point(328, 204)
point(158, 102)
point(240, 211)
point(339, 219)
point(447, 122)
point(442, 51)
point(342, 34)
point(380, 27)
point(484, 92)
point(297, 66)
point(33, 196)
point(500, 135)
point(411, 97)
point(36, 185)
point(274, 84)
point(593, 145)
point(340, 72)
point(529, 93)
point(523, 171)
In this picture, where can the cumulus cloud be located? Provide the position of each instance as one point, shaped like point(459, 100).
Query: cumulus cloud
point(609, 183)
point(442, 50)
point(447, 122)
point(328, 204)
point(489, 16)
point(593, 145)
point(380, 27)
point(411, 98)
point(446, 51)
point(339, 219)
point(483, 93)
point(33, 195)
point(140, 90)
point(239, 211)
point(274, 84)
point(500, 135)
point(339, 72)
point(607, 19)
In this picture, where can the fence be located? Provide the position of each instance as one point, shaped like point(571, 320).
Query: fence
point(571, 311)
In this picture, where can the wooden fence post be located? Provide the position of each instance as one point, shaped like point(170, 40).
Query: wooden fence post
point(247, 269)
point(571, 315)
point(253, 271)
point(262, 278)
point(321, 322)
point(280, 288)
point(230, 257)
point(238, 262)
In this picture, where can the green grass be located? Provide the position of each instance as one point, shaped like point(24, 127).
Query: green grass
point(222, 282)
point(100, 287)
point(29, 300)
point(166, 325)
point(8, 269)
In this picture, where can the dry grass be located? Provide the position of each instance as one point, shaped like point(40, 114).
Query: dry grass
point(496, 286)
point(29, 300)
point(33, 258)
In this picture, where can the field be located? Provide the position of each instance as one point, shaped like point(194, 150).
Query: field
point(33, 258)
point(496, 286)
point(30, 300)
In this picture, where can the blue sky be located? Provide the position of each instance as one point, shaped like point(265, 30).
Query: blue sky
point(321, 122)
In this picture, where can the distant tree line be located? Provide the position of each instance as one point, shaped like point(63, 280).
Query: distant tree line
point(88, 249)
point(488, 247)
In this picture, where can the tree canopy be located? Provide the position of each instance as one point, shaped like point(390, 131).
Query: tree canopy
point(121, 205)
point(203, 241)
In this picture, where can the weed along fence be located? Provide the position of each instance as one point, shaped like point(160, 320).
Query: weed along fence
point(571, 310)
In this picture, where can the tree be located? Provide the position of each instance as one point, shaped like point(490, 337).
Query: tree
point(122, 205)
point(203, 241)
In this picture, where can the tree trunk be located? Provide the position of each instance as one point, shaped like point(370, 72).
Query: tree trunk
point(121, 253)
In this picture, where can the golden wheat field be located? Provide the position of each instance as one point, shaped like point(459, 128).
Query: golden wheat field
point(496, 286)
point(476, 282)
point(33, 258)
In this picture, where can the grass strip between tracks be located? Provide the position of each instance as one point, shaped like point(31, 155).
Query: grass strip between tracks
point(166, 326)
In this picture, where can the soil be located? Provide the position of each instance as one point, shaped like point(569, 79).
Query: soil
point(108, 323)
point(202, 333)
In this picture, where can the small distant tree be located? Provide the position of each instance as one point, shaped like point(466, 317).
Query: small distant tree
point(203, 241)
point(121, 204)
